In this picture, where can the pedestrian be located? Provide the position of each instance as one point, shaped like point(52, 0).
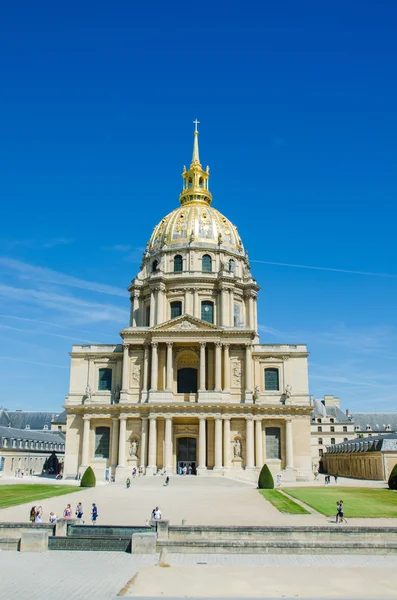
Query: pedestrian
point(157, 514)
point(167, 480)
point(342, 512)
point(336, 478)
point(32, 515)
point(134, 472)
point(94, 514)
point(180, 470)
point(128, 483)
point(39, 514)
point(153, 515)
point(67, 513)
point(79, 511)
point(278, 480)
point(337, 518)
point(53, 518)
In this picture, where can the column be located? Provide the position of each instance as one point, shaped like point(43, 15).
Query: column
point(126, 359)
point(223, 307)
point(160, 305)
point(218, 367)
point(231, 320)
point(248, 383)
point(115, 435)
point(152, 307)
point(170, 377)
point(218, 443)
point(196, 307)
point(145, 370)
point(168, 445)
point(258, 444)
point(226, 366)
point(122, 439)
point(250, 443)
point(155, 363)
point(289, 445)
point(226, 443)
point(255, 314)
point(152, 445)
point(86, 441)
point(251, 312)
point(202, 367)
point(132, 311)
point(143, 453)
point(202, 444)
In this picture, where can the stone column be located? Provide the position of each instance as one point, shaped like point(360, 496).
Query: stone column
point(202, 367)
point(160, 305)
point(258, 444)
point(218, 443)
point(249, 464)
point(168, 445)
point(152, 466)
point(170, 377)
point(289, 451)
point(255, 314)
point(223, 307)
point(152, 308)
point(218, 367)
point(196, 307)
point(145, 372)
point(226, 443)
point(143, 451)
point(231, 320)
point(226, 366)
point(251, 312)
point(115, 435)
point(202, 444)
point(86, 441)
point(122, 439)
point(126, 365)
point(132, 311)
point(248, 369)
point(155, 364)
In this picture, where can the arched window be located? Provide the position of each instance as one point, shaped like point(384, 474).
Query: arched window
point(332, 440)
point(232, 266)
point(105, 379)
point(178, 263)
point(206, 263)
point(318, 420)
point(236, 315)
point(321, 453)
point(319, 429)
point(102, 438)
point(320, 441)
point(207, 311)
point(272, 380)
point(155, 265)
point(176, 309)
point(332, 420)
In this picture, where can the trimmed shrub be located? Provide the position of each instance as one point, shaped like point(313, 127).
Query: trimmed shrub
point(265, 481)
point(393, 478)
point(88, 479)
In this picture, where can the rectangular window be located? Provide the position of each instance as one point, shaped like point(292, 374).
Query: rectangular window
point(237, 321)
point(176, 309)
point(147, 315)
point(271, 380)
point(105, 379)
point(345, 428)
point(102, 439)
point(273, 442)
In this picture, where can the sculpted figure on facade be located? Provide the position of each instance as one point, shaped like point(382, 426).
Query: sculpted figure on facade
point(237, 449)
point(134, 448)
point(136, 374)
point(236, 373)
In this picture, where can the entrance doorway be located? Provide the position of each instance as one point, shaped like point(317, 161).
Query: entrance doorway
point(187, 381)
point(187, 456)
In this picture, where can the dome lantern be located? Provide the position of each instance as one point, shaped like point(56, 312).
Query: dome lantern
point(195, 179)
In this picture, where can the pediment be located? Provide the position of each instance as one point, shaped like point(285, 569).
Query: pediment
point(185, 323)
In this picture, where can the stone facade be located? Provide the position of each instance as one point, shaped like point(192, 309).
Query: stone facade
point(190, 384)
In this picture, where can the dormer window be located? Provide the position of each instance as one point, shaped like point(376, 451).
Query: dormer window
point(368, 428)
point(332, 420)
point(388, 427)
point(45, 427)
point(318, 420)
point(27, 426)
point(357, 428)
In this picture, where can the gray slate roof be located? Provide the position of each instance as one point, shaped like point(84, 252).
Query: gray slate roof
point(55, 437)
point(377, 421)
point(386, 443)
point(321, 410)
point(35, 420)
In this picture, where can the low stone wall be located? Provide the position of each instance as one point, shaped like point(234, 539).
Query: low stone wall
point(16, 529)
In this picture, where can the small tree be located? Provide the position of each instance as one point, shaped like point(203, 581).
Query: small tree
point(88, 479)
point(265, 481)
point(393, 478)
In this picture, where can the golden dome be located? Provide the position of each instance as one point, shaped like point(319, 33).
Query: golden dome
point(199, 225)
point(195, 222)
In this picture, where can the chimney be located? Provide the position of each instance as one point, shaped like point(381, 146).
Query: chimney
point(347, 412)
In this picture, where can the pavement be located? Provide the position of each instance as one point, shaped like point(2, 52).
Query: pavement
point(104, 575)
point(198, 501)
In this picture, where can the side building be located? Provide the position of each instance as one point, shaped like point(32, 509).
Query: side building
point(31, 452)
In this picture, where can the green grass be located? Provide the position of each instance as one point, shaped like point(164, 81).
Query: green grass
point(11, 495)
point(282, 503)
point(358, 502)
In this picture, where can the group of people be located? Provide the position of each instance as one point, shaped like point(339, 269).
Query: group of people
point(187, 470)
point(327, 479)
point(36, 514)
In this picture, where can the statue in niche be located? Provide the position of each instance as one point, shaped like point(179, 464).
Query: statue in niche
point(116, 393)
point(257, 392)
point(237, 449)
point(288, 391)
point(88, 393)
point(134, 448)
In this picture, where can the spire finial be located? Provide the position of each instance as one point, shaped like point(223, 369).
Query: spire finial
point(195, 157)
point(195, 125)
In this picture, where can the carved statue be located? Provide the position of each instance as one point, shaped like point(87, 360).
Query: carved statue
point(117, 390)
point(134, 448)
point(237, 449)
point(288, 391)
point(88, 392)
point(257, 392)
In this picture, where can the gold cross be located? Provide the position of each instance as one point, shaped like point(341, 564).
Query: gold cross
point(196, 123)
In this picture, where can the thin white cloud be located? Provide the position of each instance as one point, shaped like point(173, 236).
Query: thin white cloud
point(33, 362)
point(265, 262)
point(51, 324)
point(28, 271)
point(40, 332)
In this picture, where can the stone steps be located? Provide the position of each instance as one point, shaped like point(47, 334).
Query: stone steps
point(90, 543)
point(271, 546)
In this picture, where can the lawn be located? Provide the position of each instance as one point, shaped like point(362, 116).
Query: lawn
point(282, 503)
point(11, 495)
point(358, 502)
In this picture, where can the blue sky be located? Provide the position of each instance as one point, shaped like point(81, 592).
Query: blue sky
point(297, 104)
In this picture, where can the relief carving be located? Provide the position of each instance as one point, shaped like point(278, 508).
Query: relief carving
point(236, 373)
point(136, 374)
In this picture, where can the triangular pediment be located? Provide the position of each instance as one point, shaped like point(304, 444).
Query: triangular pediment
point(185, 323)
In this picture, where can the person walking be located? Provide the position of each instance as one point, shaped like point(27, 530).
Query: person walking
point(167, 480)
point(128, 483)
point(79, 511)
point(32, 514)
point(157, 514)
point(39, 515)
point(94, 513)
point(67, 513)
point(342, 512)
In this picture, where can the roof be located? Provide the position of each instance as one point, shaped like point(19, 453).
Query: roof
point(20, 419)
point(375, 443)
point(61, 418)
point(322, 410)
point(377, 421)
point(28, 434)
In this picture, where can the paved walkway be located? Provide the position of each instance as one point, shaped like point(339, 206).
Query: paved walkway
point(200, 501)
point(101, 575)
